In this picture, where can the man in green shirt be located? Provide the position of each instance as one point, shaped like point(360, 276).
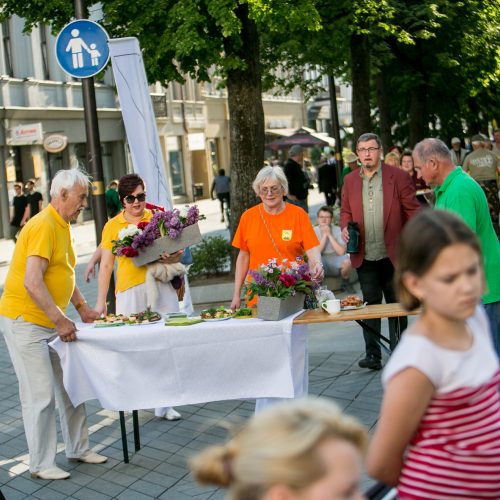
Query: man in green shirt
point(113, 204)
point(458, 192)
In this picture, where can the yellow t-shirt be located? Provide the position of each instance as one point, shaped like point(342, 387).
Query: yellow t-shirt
point(46, 235)
point(127, 273)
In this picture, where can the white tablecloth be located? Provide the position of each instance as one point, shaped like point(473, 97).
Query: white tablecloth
point(148, 366)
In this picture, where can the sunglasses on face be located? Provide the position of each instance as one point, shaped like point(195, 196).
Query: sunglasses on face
point(131, 198)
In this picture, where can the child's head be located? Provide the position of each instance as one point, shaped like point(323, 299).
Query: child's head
point(324, 216)
point(438, 242)
point(293, 447)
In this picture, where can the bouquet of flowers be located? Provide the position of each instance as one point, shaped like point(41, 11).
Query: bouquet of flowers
point(163, 223)
point(281, 281)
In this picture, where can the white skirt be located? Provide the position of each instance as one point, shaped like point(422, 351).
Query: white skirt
point(134, 300)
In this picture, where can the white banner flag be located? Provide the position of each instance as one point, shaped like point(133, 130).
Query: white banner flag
point(140, 126)
point(139, 118)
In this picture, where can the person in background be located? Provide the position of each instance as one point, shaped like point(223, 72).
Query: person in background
point(38, 289)
point(298, 450)
point(392, 159)
point(35, 198)
point(327, 182)
point(438, 435)
point(298, 181)
point(273, 229)
point(458, 153)
point(352, 163)
point(460, 193)
point(131, 290)
point(19, 212)
point(332, 247)
point(222, 187)
point(113, 205)
point(420, 185)
point(381, 199)
point(484, 167)
point(496, 142)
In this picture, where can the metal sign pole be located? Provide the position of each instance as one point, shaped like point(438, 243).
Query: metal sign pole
point(94, 158)
point(336, 128)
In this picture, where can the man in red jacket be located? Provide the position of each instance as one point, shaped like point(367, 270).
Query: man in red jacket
point(381, 199)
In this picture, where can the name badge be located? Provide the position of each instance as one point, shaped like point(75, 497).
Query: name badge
point(286, 234)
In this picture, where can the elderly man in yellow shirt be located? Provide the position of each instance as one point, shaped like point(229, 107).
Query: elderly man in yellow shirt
point(39, 286)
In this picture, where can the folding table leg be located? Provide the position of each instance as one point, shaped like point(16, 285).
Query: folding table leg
point(124, 436)
point(137, 434)
point(378, 337)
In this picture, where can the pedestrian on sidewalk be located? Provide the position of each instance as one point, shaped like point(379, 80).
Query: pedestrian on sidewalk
point(298, 181)
point(35, 198)
point(304, 449)
point(222, 187)
point(20, 211)
point(438, 435)
point(113, 205)
point(39, 286)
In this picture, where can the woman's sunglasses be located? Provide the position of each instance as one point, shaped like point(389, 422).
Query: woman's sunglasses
point(131, 198)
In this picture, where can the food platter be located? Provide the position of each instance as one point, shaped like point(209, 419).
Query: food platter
point(216, 314)
point(146, 317)
point(351, 302)
point(351, 308)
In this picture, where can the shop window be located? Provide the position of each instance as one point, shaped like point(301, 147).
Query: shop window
point(176, 166)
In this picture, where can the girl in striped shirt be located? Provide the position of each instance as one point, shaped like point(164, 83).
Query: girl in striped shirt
point(438, 436)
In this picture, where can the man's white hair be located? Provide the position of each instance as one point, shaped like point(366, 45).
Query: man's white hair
point(68, 179)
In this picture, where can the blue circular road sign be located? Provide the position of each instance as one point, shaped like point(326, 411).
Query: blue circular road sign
point(82, 48)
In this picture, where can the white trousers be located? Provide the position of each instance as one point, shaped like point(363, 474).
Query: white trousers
point(134, 300)
point(41, 390)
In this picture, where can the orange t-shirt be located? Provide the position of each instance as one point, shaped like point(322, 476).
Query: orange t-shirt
point(291, 230)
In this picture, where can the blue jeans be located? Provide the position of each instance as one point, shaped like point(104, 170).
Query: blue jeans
point(493, 312)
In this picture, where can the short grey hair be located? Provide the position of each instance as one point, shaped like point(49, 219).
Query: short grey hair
point(427, 148)
point(369, 137)
point(68, 179)
point(270, 174)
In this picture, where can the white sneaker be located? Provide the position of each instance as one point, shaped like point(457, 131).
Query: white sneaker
point(172, 414)
point(90, 457)
point(52, 473)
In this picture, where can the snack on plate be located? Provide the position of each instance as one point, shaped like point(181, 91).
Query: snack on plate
point(110, 320)
point(216, 313)
point(351, 301)
point(142, 317)
point(243, 312)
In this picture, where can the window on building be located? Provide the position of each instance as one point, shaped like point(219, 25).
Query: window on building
point(45, 52)
point(7, 48)
point(176, 166)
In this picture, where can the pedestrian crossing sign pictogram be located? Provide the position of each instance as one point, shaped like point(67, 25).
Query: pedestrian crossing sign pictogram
point(82, 48)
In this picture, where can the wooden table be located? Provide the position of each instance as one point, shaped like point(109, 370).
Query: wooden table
point(375, 311)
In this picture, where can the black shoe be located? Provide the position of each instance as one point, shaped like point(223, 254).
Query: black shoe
point(371, 363)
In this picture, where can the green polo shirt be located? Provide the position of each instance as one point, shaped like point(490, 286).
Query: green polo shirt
point(461, 194)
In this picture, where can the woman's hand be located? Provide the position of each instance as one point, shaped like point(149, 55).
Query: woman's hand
point(87, 314)
point(236, 303)
point(173, 258)
point(101, 309)
point(317, 271)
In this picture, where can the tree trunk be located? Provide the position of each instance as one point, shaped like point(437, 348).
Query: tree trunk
point(418, 115)
point(246, 116)
point(383, 109)
point(360, 69)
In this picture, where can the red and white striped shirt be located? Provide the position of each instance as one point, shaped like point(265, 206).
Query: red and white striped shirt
point(455, 452)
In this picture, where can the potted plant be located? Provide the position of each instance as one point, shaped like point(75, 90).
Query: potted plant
point(281, 288)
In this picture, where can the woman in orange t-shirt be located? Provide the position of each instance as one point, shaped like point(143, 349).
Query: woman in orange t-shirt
point(273, 229)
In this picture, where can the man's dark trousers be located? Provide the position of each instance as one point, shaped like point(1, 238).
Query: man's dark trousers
point(376, 279)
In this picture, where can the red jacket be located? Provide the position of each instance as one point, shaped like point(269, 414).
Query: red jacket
point(400, 204)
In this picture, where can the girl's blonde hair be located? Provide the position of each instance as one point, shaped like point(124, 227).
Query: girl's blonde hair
point(277, 446)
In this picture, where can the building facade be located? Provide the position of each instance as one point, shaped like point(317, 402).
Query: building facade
point(42, 127)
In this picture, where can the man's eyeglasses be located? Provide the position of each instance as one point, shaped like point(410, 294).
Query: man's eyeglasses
point(271, 190)
point(131, 198)
point(363, 151)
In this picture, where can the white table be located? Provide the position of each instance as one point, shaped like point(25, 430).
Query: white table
point(148, 366)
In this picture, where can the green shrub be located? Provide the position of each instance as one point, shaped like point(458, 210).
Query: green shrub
point(211, 256)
